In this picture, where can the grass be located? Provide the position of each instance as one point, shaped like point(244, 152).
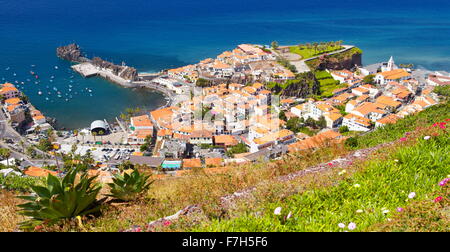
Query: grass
point(369, 196)
point(327, 84)
point(307, 53)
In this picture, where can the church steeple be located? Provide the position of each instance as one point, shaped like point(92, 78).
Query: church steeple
point(391, 63)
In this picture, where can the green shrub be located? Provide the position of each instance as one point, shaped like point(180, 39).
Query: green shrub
point(343, 129)
point(129, 186)
point(61, 199)
point(18, 183)
point(351, 142)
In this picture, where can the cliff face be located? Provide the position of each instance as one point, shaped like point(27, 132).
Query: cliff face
point(70, 52)
point(346, 60)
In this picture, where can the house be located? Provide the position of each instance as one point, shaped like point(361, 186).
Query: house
point(213, 162)
point(8, 91)
point(283, 136)
point(390, 119)
point(369, 110)
point(356, 123)
point(142, 122)
point(139, 136)
point(201, 137)
point(34, 171)
point(438, 80)
point(387, 103)
point(225, 141)
point(394, 75)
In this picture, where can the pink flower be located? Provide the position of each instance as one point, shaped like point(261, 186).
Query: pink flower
point(402, 139)
point(400, 209)
point(167, 223)
point(330, 164)
point(408, 133)
point(438, 199)
point(412, 195)
point(444, 182)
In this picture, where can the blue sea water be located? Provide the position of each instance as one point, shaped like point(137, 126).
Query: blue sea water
point(153, 35)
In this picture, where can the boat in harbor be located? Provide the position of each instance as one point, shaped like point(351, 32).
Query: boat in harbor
point(39, 93)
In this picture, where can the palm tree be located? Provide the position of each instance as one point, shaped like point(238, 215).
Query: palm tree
point(22, 144)
point(75, 132)
point(82, 135)
point(101, 132)
point(5, 153)
point(94, 134)
point(315, 45)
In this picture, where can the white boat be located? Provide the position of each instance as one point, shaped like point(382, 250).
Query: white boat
point(56, 67)
point(39, 93)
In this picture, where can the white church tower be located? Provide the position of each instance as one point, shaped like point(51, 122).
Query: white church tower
point(391, 64)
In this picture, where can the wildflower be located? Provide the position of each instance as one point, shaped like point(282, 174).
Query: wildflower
point(38, 227)
point(385, 211)
point(166, 223)
point(356, 185)
point(411, 195)
point(427, 137)
point(408, 133)
point(359, 211)
point(444, 182)
point(341, 225)
point(289, 215)
point(351, 226)
point(438, 199)
point(400, 209)
point(342, 172)
point(396, 160)
point(277, 211)
point(330, 164)
point(402, 139)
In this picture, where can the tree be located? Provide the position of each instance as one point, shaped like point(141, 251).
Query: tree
point(343, 129)
point(369, 79)
point(202, 82)
point(5, 154)
point(101, 132)
point(82, 136)
point(274, 45)
point(95, 134)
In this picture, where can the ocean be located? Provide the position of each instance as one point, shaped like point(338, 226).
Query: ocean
point(154, 35)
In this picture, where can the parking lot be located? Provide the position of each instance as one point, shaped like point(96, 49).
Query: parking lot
point(102, 154)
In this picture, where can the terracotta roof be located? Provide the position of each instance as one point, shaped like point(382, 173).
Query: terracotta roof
point(192, 163)
point(12, 101)
point(226, 140)
point(141, 121)
point(34, 171)
point(388, 101)
point(390, 119)
point(395, 74)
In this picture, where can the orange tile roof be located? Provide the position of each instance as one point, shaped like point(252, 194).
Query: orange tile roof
point(12, 101)
point(388, 101)
point(226, 140)
point(6, 89)
point(192, 163)
point(395, 74)
point(141, 121)
point(34, 171)
point(390, 119)
point(361, 120)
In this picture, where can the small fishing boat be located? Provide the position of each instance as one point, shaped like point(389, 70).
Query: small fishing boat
point(56, 67)
point(46, 98)
point(32, 73)
point(39, 93)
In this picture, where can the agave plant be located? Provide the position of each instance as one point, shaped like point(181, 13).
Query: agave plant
point(61, 199)
point(129, 186)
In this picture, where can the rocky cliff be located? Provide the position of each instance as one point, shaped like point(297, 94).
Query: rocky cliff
point(345, 60)
point(70, 52)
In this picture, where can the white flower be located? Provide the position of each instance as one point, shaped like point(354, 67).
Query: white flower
point(351, 226)
point(356, 185)
point(385, 211)
point(342, 172)
point(277, 211)
point(359, 211)
point(411, 195)
point(427, 137)
point(396, 160)
point(341, 225)
point(289, 215)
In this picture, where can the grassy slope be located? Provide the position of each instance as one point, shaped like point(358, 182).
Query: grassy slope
point(384, 182)
point(168, 196)
point(309, 53)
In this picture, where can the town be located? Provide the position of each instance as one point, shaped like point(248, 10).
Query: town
point(225, 111)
